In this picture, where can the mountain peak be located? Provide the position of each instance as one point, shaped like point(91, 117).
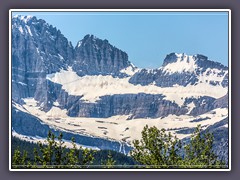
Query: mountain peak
point(181, 62)
point(175, 62)
point(172, 58)
point(25, 19)
point(90, 36)
point(201, 57)
point(183, 57)
point(91, 39)
point(97, 56)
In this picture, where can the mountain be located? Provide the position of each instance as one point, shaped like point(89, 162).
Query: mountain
point(183, 70)
point(94, 56)
point(94, 93)
point(37, 50)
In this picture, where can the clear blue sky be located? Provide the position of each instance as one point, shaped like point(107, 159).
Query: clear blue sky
point(148, 37)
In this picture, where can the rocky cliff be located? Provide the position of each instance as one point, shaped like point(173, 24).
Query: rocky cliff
point(94, 56)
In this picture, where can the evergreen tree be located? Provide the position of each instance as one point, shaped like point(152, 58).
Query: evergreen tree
point(157, 149)
point(199, 152)
point(109, 162)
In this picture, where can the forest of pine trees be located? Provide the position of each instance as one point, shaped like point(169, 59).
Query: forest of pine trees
point(156, 149)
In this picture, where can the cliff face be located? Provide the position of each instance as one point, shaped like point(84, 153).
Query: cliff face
point(94, 56)
point(37, 50)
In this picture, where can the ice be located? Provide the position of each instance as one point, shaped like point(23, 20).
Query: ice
point(116, 126)
point(60, 57)
point(79, 43)
point(57, 112)
point(93, 87)
point(21, 30)
point(183, 64)
point(29, 30)
point(129, 70)
point(37, 50)
point(56, 103)
point(24, 84)
point(191, 106)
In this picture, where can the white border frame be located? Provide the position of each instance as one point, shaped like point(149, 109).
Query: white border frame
point(121, 10)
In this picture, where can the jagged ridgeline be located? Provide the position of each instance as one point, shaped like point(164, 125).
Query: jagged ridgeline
point(92, 91)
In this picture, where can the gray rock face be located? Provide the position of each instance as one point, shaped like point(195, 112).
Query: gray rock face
point(137, 105)
point(221, 102)
point(225, 81)
point(205, 104)
point(94, 56)
point(202, 104)
point(37, 49)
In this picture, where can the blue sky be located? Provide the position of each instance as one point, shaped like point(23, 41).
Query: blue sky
point(148, 37)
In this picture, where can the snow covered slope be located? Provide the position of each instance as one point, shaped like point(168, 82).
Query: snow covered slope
point(93, 87)
point(119, 128)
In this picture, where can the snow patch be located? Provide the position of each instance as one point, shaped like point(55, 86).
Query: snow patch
point(190, 107)
point(93, 87)
point(21, 30)
point(38, 51)
point(119, 127)
point(79, 43)
point(52, 37)
point(56, 103)
point(30, 101)
point(29, 30)
point(60, 57)
point(57, 112)
point(36, 139)
point(23, 84)
point(130, 70)
point(184, 63)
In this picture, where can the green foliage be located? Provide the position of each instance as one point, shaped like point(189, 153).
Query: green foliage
point(110, 162)
point(54, 154)
point(199, 152)
point(157, 149)
point(121, 160)
point(19, 158)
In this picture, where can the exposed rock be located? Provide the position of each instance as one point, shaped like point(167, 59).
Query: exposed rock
point(94, 56)
point(37, 49)
point(137, 105)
